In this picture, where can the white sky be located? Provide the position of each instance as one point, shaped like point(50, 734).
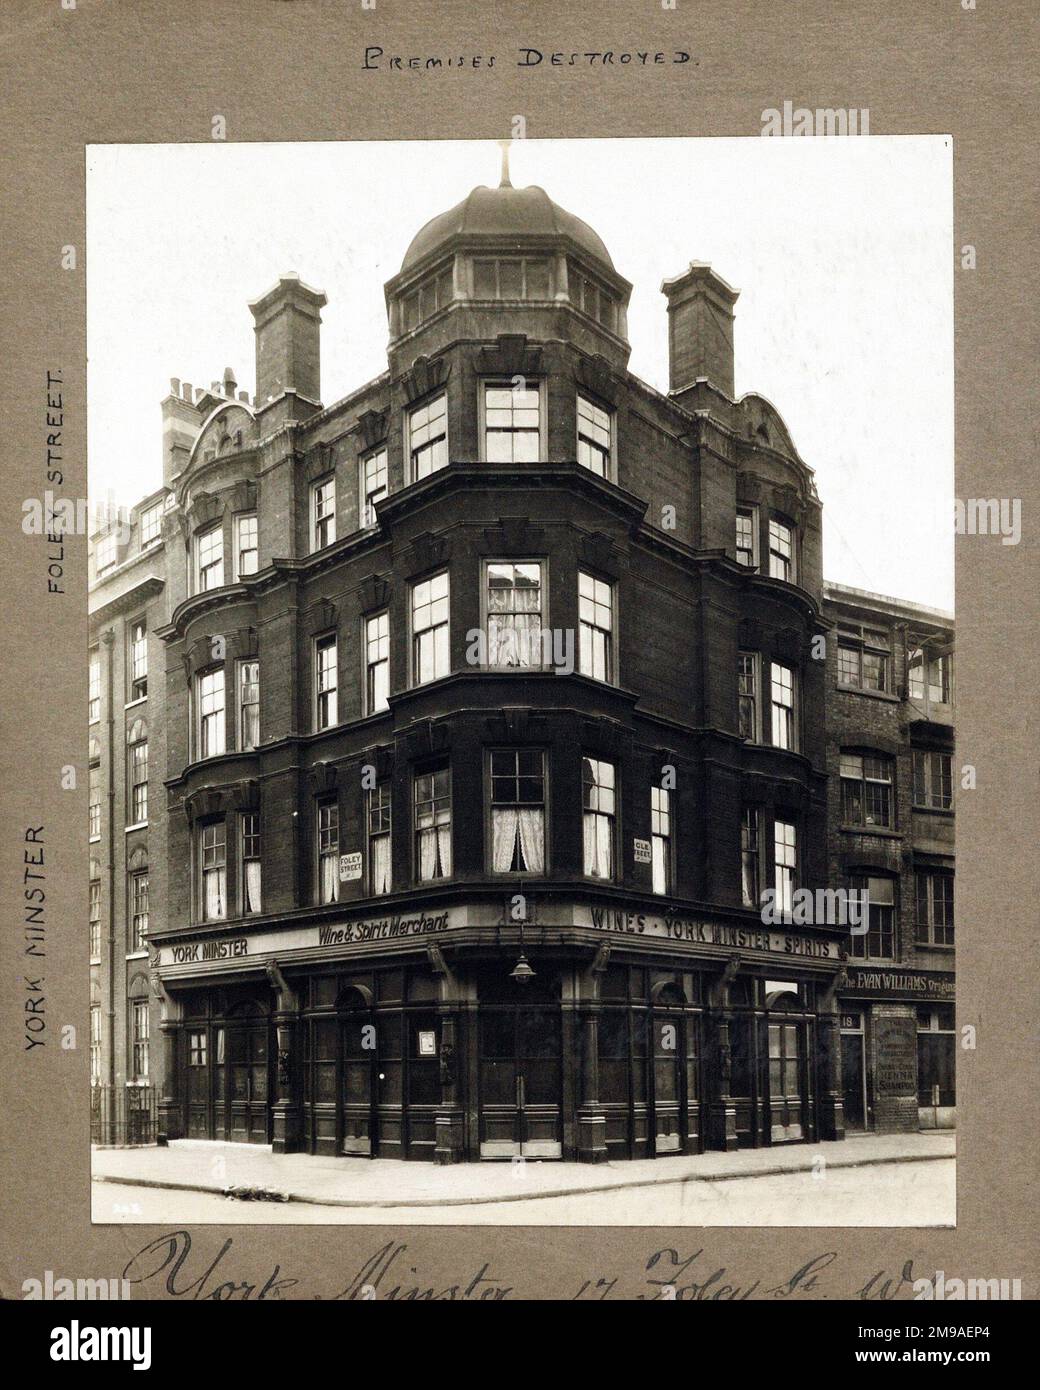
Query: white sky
point(842, 249)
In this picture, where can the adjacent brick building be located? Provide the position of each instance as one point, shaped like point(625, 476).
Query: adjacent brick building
point(491, 702)
point(126, 826)
point(892, 779)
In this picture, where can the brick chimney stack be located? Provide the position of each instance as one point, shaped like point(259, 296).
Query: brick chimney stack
point(181, 423)
point(288, 359)
point(700, 329)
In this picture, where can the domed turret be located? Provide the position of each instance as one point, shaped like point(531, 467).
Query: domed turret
point(508, 260)
point(506, 216)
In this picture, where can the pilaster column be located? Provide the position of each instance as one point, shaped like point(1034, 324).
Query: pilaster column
point(831, 1123)
point(285, 1111)
point(722, 1113)
point(450, 1121)
point(592, 1122)
point(449, 1126)
point(832, 1099)
point(721, 1132)
point(171, 1102)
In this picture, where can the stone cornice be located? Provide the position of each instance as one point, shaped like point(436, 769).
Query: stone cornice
point(143, 590)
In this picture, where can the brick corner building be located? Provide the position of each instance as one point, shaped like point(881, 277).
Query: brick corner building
point(483, 707)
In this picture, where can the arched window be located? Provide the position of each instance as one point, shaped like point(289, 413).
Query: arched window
point(138, 1028)
point(137, 899)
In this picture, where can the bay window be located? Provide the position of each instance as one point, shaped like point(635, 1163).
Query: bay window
point(430, 649)
point(432, 791)
point(511, 423)
point(747, 696)
point(595, 628)
point(210, 696)
point(660, 839)
point(594, 437)
point(328, 852)
point(599, 809)
point(248, 705)
point(782, 694)
point(245, 545)
point(750, 857)
point(213, 871)
point(514, 613)
point(377, 663)
point(251, 861)
point(785, 863)
point(747, 541)
point(517, 811)
point(781, 550)
point(379, 840)
point(428, 438)
point(209, 553)
point(326, 682)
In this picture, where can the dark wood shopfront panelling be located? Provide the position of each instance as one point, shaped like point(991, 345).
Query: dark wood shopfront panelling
point(650, 1048)
point(226, 1057)
point(774, 1063)
point(371, 1046)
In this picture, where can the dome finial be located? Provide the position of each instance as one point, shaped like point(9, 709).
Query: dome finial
point(504, 180)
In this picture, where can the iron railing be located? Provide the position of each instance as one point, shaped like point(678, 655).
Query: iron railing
point(123, 1114)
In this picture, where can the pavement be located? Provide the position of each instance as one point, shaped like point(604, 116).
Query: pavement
point(253, 1172)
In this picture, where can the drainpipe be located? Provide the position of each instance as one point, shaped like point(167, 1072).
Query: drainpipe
point(108, 638)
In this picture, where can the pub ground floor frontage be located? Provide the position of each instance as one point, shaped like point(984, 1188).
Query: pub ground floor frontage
point(898, 1049)
point(445, 1035)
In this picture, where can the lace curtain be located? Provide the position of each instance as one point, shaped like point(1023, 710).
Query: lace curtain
point(380, 854)
point(517, 839)
point(252, 886)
